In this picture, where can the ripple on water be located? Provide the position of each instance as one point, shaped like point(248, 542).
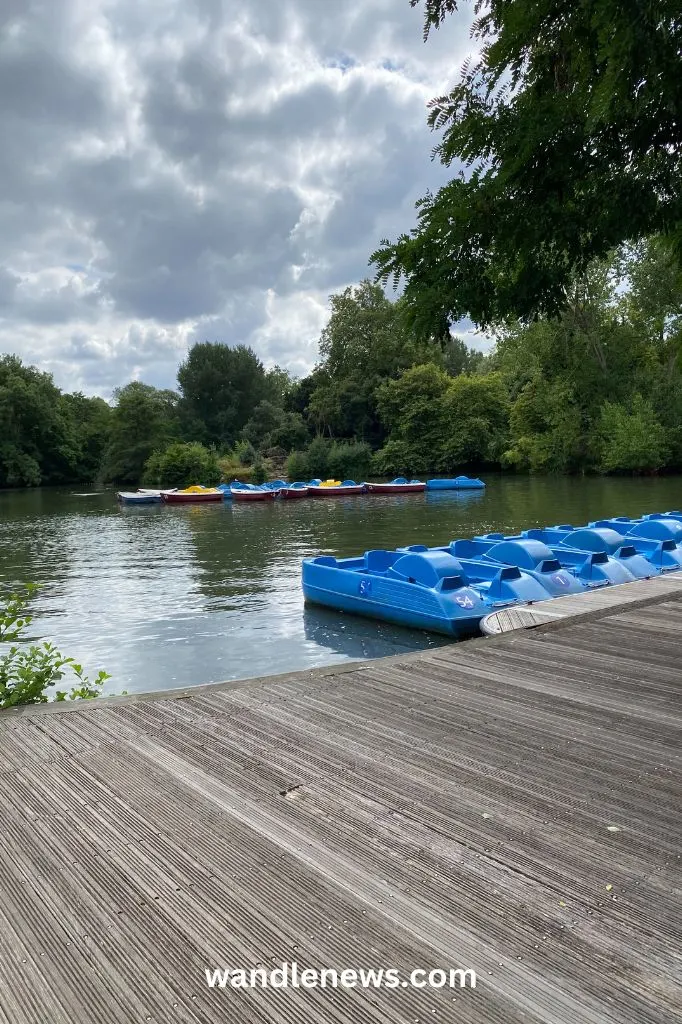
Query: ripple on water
point(164, 596)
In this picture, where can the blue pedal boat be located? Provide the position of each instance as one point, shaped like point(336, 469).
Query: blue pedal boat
point(600, 538)
point(423, 589)
point(648, 527)
point(643, 556)
point(562, 570)
point(531, 557)
point(675, 514)
point(458, 483)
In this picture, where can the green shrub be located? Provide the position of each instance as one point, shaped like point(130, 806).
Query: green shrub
point(292, 432)
point(632, 439)
point(349, 460)
point(324, 458)
point(318, 457)
point(231, 470)
point(259, 473)
point(298, 467)
point(182, 465)
point(245, 453)
point(402, 458)
point(27, 672)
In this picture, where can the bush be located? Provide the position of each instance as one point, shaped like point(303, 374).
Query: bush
point(632, 440)
point(349, 460)
point(259, 473)
point(318, 457)
point(244, 453)
point(403, 458)
point(26, 673)
point(292, 432)
point(182, 465)
point(231, 470)
point(298, 467)
point(339, 460)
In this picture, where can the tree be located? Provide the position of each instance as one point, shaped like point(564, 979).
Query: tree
point(411, 407)
point(476, 410)
point(459, 358)
point(437, 422)
point(365, 342)
point(569, 126)
point(548, 429)
point(618, 336)
point(265, 418)
point(653, 301)
point(220, 387)
point(36, 444)
point(90, 422)
point(291, 433)
point(143, 421)
point(298, 398)
point(271, 427)
point(279, 385)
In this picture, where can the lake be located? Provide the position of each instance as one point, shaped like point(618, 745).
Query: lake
point(173, 596)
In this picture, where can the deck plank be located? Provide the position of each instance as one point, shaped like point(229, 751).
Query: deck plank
point(510, 805)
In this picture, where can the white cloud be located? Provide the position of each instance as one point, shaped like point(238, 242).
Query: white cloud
point(189, 169)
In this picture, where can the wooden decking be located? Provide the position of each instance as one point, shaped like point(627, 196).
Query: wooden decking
point(510, 805)
point(594, 604)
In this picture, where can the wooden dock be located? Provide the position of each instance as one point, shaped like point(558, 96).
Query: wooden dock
point(511, 805)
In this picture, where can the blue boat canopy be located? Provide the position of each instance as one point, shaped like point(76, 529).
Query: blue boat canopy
point(458, 483)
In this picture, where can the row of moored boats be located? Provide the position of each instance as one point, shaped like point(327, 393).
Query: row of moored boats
point(237, 491)
point(449, 589)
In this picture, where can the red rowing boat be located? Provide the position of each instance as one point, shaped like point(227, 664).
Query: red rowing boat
point(244, 494)
point(294, 492)
point(408, 487)
point(337, 491)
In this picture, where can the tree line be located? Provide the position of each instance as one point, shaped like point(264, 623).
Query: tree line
point(562, 236)
point(598, 389)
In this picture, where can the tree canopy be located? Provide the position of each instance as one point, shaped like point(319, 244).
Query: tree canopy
point(144, 420)
point(598, 389)
point(365, 342)
point(45, 436)
point(567, 133)
point(220, 386)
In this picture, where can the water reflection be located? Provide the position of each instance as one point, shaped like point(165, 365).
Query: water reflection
point(354, 637)
point(165, 596)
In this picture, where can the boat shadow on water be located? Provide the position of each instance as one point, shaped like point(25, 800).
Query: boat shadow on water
point(454, 497)
point(356, 637)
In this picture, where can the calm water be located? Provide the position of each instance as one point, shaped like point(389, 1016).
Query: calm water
point(170, 596)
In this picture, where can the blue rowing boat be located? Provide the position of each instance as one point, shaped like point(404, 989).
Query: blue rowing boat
point(423, 589)
point(458, 483)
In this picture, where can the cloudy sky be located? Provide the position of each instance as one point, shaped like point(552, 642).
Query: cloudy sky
point(180, 170)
